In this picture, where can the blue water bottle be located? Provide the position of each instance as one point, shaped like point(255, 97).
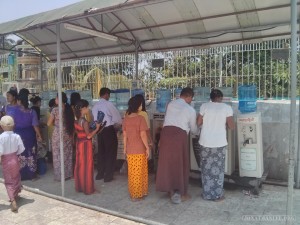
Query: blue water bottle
point(163, 97)
point(247, 98)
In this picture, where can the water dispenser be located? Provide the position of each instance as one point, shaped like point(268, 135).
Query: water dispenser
point(250, 145)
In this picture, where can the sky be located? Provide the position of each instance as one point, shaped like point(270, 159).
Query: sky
point(14, 9)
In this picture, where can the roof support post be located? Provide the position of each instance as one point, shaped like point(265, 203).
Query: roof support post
point(41, 72)
point(60, 112)
point(292, 139)
point(136, 60)
point(298, 152)
point(220, 69)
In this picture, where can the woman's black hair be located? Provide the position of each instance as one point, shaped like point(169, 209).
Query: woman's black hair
point(141, 99)
point(133, 105)
point(79, 105)
point(215, 93)
point(51, 103)
point(35, 99)
point(75, 96)
point(24, 91)
point(68, 115)
point(23, 98)
point(13, 93)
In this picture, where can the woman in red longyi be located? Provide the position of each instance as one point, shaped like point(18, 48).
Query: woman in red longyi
point(84, 166)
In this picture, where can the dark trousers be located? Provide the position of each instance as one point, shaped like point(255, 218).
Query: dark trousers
point(107, 152)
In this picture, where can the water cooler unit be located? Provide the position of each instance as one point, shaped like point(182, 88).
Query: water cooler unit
point(229, 157)
point(250, 145)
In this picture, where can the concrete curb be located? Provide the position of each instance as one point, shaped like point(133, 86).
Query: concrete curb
point(92, 207)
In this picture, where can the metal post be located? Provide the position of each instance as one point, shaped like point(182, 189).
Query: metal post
point(60, 112)
point(41, 71)
point(136, 60)
point(220, 69)
point(292, 139)
point(298, 152)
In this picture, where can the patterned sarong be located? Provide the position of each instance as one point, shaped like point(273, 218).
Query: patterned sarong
point(137, 175)
point(212, 171)
point(11, 175)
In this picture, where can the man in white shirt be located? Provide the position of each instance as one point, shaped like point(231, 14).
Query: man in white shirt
point(173, 162)
point(107, 139)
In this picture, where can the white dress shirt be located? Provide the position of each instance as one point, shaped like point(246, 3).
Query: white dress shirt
point(181, 114)
point(10, 143)
point(111, 114)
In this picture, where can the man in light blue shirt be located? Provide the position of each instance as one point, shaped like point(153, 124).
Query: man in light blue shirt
point(107, 139)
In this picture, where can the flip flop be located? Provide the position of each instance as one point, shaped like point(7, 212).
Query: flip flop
point(176, 198)
point(219, 199)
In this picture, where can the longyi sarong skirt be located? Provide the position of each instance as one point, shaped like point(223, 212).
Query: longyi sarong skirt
point(137, 175)
point(212, 171)
point(173, 161)
point(11, 175)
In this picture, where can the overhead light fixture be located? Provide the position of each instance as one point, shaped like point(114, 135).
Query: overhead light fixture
point(90, 32)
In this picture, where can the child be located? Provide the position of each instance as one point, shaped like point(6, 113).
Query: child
point(84, 166)
point(11, 145)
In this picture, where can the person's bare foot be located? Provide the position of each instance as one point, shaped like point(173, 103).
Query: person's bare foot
point(14, 206)
point(185, 197)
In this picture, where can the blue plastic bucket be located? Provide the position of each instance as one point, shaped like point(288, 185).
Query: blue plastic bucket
point(247, 98)
point(41, 166)
point(163, 97)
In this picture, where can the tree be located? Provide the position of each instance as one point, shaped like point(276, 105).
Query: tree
point(6, 43)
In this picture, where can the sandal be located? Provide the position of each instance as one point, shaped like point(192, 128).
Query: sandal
point(176, 198)
point(219, 199)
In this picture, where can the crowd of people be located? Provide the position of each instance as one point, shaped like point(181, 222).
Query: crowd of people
point(21, 133)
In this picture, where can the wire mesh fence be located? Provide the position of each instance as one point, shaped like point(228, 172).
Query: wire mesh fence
point(264, 64)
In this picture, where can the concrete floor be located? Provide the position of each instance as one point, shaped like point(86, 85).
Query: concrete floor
point(157, 208)
point(35, 209)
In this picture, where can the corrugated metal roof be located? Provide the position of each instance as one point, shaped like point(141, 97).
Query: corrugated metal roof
point(154, 24)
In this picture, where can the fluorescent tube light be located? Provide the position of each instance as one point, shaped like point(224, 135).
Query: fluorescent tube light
point(90, 32)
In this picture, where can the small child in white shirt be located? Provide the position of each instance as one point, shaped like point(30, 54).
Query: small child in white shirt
point(11, 146)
